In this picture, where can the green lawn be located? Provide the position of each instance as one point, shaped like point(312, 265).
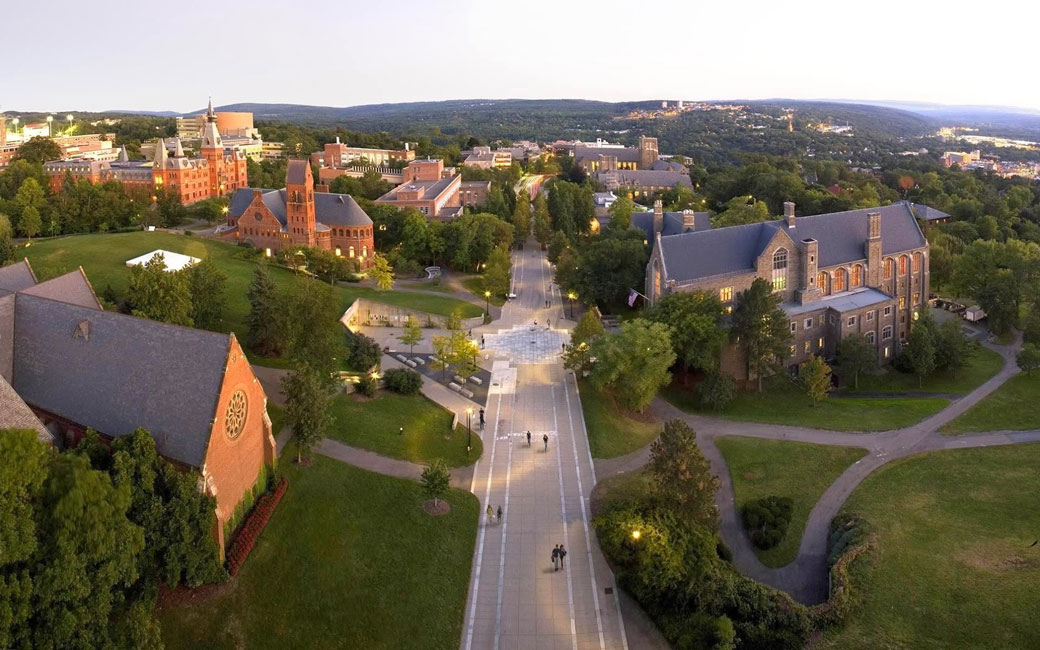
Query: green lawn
point(953, 568)
point(612, 431)
point(374, 424)
point(475, 285)
point(984, 364)
point(349, 560)
point(277, 415)
point(797, 470)
point(781, 402)
point(1013, 406)
point(629, 487)
point(103, 257)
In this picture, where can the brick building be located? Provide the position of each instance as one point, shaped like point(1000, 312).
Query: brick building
point(75, 366)
point(861, 272)
point(217, 172)
point(428, 188)
point(299, 216)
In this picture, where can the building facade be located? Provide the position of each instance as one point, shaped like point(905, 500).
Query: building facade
point(299, 216)
point(428, 188)
point(862, 272)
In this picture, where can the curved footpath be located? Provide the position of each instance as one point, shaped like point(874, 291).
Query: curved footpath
point(806, 577)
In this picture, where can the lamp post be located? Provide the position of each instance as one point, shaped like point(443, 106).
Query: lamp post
point(572, 297)
point(69, 118)
point(487, 301)
point(50, 130)
point(469, 429)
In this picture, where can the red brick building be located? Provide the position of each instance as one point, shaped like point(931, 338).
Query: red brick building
point(216, 172)
point(299, 216)
point(77, 366)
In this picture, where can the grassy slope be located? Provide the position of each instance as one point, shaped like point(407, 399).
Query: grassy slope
point(349, 560)
point(952, 570)
point(800, 471)
point(984, 364)
point(612, 432)
point(1013, 406)
point(103, 257)
point(475, 285)
point(375, 425)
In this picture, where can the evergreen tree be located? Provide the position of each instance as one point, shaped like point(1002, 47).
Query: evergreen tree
point(264, 317)
point(681, 478)
point(761, 328)
point(207, 286)
point(816, 379)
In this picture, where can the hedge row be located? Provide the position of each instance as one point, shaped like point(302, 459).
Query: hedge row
point(253, 526)
point(850, 537)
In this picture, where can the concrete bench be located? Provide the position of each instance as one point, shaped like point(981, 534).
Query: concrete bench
point(410, 363)
point(467, 393)
point(419, 360)
point(477, 380)
point(402, 358)
point(459, 379)
point(455, 387)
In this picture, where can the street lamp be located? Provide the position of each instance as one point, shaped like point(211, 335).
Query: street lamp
point(50, 131)
point(636, 534)
point(572, 297)
point(487, 301)
point(469, 429)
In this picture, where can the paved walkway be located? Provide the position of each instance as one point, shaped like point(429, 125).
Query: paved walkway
point(516, 599)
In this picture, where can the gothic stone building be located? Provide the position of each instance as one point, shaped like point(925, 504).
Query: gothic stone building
point(856, 273)
point(71, 365)
point(299, 216)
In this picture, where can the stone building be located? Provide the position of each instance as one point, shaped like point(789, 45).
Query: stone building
point(74, 366)
point(861, 272)
point(299, 216)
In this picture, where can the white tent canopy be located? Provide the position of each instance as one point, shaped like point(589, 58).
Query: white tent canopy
point(174, 261)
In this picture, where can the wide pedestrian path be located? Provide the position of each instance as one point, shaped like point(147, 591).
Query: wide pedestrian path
point(516, 598)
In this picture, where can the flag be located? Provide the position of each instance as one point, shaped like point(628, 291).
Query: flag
point(632, 293)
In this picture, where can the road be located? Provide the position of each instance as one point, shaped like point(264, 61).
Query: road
point(516, 600)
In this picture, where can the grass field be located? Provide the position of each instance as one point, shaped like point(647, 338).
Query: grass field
point(475, 285)
point(374, 424)
point(953, 568)
point(797, 470)
point(277, 415)
point(781, 402)
point(103, 257)
point(1013, 406)
point(612, 431)
point(984, 364)
point(630, 487)
point(349, 560)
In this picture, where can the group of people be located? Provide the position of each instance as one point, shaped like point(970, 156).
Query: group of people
point(545, 440)
point(558, 553)
point(493, 515)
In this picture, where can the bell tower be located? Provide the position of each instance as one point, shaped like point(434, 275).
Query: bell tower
point(299, 202)
point(213, 153)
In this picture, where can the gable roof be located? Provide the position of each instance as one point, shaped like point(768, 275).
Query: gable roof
point(72, 288)
point(329, 209)
point(841, 236)
point(127, 372)
point(17, 276)
point(15, 414)
point(646, 177)
point(928, 213)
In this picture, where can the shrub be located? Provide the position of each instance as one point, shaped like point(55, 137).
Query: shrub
point(723, 551)
point(767, 520)
point(367, 385)
point(716, 391)
point(403, 381)
point(247, 535)
point(849, 538)
point(363, 353)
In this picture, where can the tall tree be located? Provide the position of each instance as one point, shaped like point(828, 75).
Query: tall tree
point(158, 294)
point(695, 322)
point(411, 335)
point(381, 272)
point(920, 352)
point(497, 275)
point(621, 214)
point(30, 202)
point(542, 224)
point(761, 328)
point(307, 403)
point(681, 478)
point(953, 349)
point(6, 240)
point(207, 284)
point(264, 317)
point(39, 149)
point(577, 355)
point(634, 362)
point(312, 333)
point(522, 217)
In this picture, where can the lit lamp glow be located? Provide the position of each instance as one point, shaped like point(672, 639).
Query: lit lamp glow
point(636, 534)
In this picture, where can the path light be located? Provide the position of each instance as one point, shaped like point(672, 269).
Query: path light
point(636, 534)
point(469, 429)
point(487, 300)
point(572, 297)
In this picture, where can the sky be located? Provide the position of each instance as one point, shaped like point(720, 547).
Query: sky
point(130, 55)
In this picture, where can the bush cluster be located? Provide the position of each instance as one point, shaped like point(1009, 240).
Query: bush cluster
point(253, 526)
point(403, 381)
point(367, 385)
point(849, 538)
point(767, 520)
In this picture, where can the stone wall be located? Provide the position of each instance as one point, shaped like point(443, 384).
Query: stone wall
point(364, 312)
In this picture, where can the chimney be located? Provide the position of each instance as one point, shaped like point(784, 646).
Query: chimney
point(874, 227)
point(789, 213)
point(658, 216)
point(689, 221)
point(337, 139)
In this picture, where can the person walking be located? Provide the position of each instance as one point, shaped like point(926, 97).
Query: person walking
point(499, 513)
point(481, 419)
point(556, 558)
point(481, 341)
point(545, 439)
point(528, 437)
point(490, 514)
point(548, 324)
point(562, 553)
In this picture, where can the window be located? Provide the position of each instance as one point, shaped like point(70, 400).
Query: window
point(886, 351)
point(917, 299)
point(902, 302)
point(888, 269)
point(807, 347)
point(350, 252)
point(821, 281)
point(852, 321)
point(794, 326)
point(870, 316)
point(916, 315)
point(791, 352)
point(364, 251)
point(780, 269)
point(886, 333)
point(819, 343)
point(857, 275)
point(726, 294)
point(808, 323)
point(840, 280)
point(870, 337)
point(917, 262)
point(888, 311)
point(902, 265)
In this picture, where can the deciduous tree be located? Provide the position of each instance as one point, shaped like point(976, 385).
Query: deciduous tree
point(855, 355)
point(306, 407)
point(381, 272)
point(761, 328)
point(634, 362)
point(695, 322)
point(411, 335)
point(158, 294)
point(436, 479)
point(816, 379)
point(206, 284)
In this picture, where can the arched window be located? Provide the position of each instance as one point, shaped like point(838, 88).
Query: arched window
point(857, 276)
point(870, 337)
point(888, 268)
point(350, 251)
point(364, 251)
point(823, 282)
point(902, 265)
point(780, 269)
point(917, 262)
point(840, 280)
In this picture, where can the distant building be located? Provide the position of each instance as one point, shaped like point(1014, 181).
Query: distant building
point(229, 125)
point(643, 182)
point(929, 215)
point(428, 188)
point(601, 156)
point(298, 216)
point(658, 222)
point(485, 158)
point(67, 365)
point(341, 155)
point(856, 273)
point(474, 193)
point(951, 158)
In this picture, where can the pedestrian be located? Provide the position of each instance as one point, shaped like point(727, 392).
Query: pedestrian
point(536, 323)
point(548, 324)
point(556, 558)
point(481, 341)
point(481, 419)
point(490, 513)
point(545, 439)
point(499, 513)
point(528, 437)
point(562, 552)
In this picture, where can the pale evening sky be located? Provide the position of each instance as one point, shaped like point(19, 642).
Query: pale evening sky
point(120, 54)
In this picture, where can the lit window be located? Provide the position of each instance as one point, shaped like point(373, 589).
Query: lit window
point(857, 275)
point(839, 279)
point(902, 265)
point(886, 351)
point(902, 302)
point(780, 269)
point(791, 352)
point(350, 252)
point(888, 269)
point(917, 299)
point(726, 294)
point(917, 262)
point(807, 347)
point(916, 315)
point(821, 281)
point(819, 343)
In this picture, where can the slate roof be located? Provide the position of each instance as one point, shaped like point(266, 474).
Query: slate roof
point(672, 224)
point(73, 288)
point(841, 235)
point(128, 372)
point(15, 414)
point(928, 213)
point(296, 171)
point(647, 177)
point(329, 209)
point(668, 165)
point(16, 277)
